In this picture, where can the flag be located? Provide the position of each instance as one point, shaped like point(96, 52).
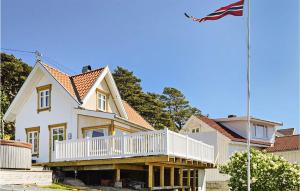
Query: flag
point(235, 9)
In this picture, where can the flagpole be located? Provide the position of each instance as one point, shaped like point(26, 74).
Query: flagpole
point(248, 100)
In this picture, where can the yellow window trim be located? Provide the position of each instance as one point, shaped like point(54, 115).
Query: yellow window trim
point(106, 98)
point(34, 129)
point(64, 125)
point(41, 88)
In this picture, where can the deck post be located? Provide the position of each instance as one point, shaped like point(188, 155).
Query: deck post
point(172, 176)
point(162, 176)
point(189, 178)
point(150, 175)
point(118, 175)
point(181, 178)
point(194, 179)
point(201, 180)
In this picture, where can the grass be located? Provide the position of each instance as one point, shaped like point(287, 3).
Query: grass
point(60, 186)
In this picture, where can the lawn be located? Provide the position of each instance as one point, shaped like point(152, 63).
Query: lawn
point(60, 186)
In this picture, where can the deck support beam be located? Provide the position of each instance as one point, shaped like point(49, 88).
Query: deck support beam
point(118, 175)
point(194, 179)
point(172, 169)
point(162, 176)
point(181, 177)
point(150, 175)
point(189, 177)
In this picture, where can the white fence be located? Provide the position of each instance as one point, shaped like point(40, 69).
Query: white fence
point(15, 157)
point(162, 142)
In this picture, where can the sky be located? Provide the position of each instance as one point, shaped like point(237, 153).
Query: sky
point(206, 61)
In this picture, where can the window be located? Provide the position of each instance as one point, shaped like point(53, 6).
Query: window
point(33, 138)
point(260, 131)
point(197, 130)
point(57, 134)
point(101, 101)
point(44, 98)
point(93, 133)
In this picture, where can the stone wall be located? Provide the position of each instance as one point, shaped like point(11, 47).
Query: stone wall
point(25, 177)
point(217, 186)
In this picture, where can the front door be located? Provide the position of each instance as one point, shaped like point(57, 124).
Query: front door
point(56, 134)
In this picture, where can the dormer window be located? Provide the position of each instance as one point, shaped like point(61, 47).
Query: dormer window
point(44, 98)
point(260, 131)
point(101, 100)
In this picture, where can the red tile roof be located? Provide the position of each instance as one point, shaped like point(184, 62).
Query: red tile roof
point(62, 78)
point(227, 132)
point(83, 82)
point(285, 143)
point(135, 117)
point(78, 86)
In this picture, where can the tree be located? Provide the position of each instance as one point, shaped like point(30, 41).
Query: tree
point(177, 106)
point(129, 86)
point(13, 74)
point(268, 172)
point(147, 104)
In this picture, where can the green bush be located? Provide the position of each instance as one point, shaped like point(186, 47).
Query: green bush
point(268, 172)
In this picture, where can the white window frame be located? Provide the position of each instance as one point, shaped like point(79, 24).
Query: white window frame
point(43, 97)
point(31, 139)
point(260, 131)
point(101, 101)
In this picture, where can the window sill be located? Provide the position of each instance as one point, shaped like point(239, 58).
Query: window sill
point(44, 109)
point(35, 155)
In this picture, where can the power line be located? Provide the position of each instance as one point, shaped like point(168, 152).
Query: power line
point(16, 50)
point(59, 65)
point(39, 56)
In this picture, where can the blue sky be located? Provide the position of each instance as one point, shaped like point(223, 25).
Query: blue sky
point(206, 61)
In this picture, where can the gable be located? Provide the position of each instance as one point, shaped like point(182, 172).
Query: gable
point(38, 74)
point(91, 102)
point(194, 123)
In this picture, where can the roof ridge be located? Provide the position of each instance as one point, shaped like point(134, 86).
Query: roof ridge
point(288, 136)
point(55, 69)
point(87, 72)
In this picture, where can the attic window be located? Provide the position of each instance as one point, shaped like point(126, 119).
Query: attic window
point(101, 100)
point(44, 98)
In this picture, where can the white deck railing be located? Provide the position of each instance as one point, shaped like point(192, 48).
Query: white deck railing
point(149, 143)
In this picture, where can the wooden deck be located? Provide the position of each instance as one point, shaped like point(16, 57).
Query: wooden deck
point(141, 144)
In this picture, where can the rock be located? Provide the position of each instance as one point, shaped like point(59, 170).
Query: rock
point(73, 182)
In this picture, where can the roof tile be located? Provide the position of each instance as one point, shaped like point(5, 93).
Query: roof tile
point(78, 86)
point(286, 143)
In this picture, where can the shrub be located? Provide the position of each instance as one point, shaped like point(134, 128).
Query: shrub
point(268, 172)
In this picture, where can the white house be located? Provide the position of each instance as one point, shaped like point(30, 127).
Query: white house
point(80, 124)
point(229, 135)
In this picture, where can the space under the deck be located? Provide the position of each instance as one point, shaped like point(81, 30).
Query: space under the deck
point(155, 172)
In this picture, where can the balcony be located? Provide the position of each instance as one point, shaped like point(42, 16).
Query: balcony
point(149, 143)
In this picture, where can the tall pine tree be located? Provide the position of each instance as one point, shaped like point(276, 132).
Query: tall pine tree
point(177, 106)
point(170, 109)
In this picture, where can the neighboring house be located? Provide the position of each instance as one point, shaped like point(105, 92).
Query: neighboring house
point(285, 132)
point(79, 124)
point(229, 135)
point(287, 146)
